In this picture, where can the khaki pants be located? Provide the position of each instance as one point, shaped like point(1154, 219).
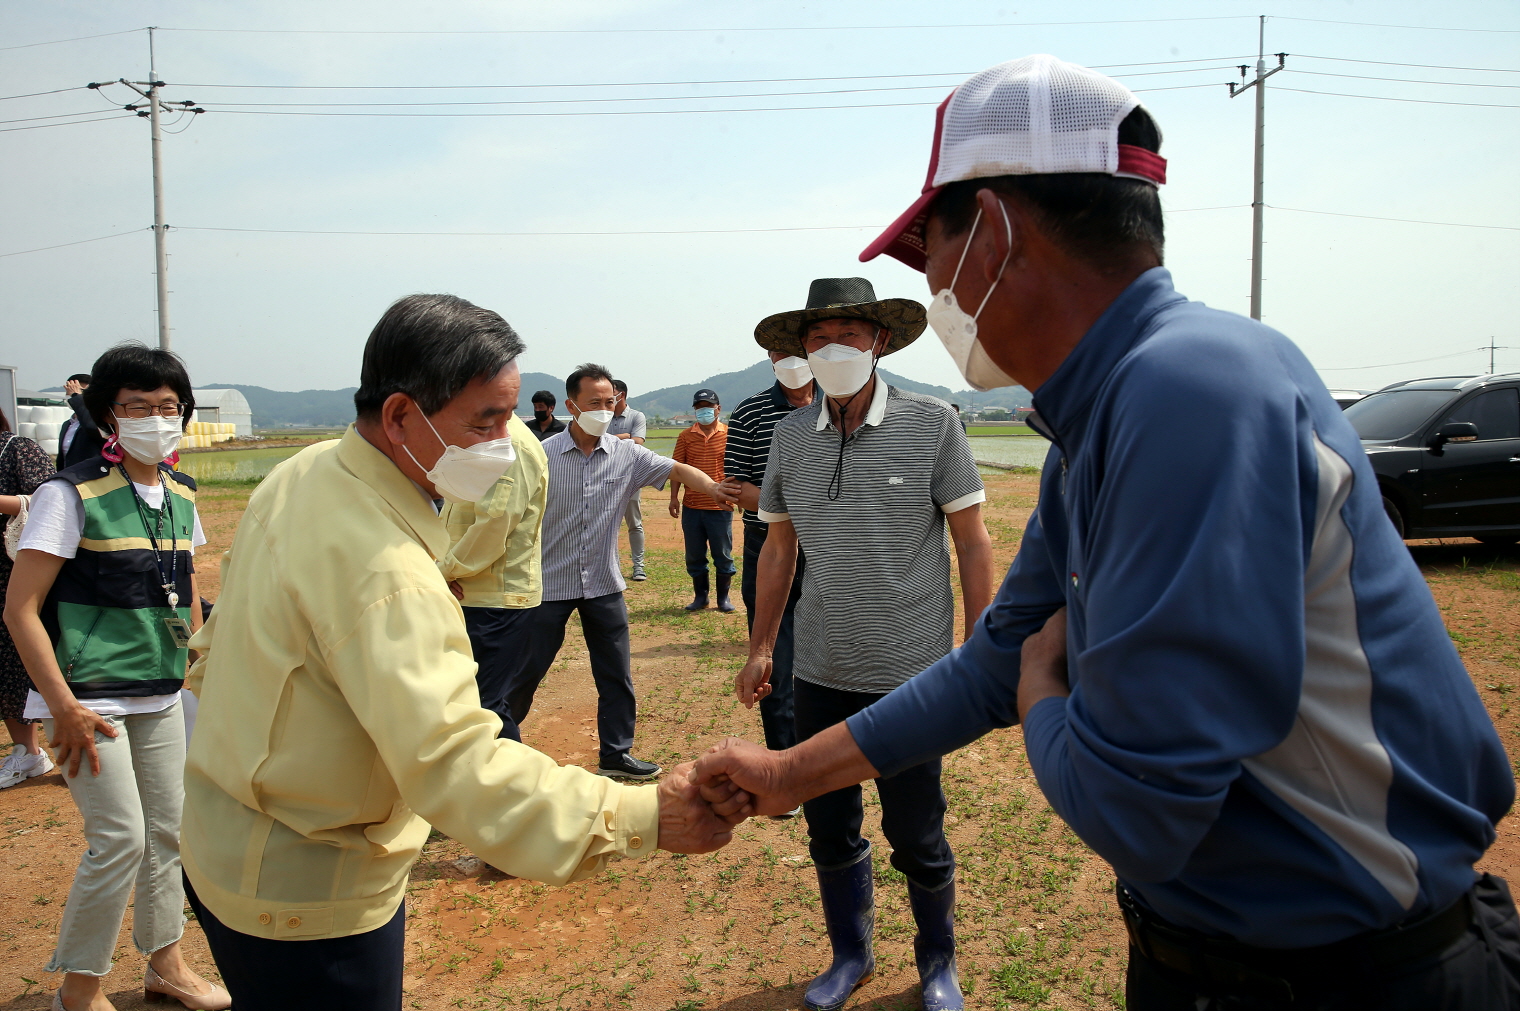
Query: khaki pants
point(131, 822)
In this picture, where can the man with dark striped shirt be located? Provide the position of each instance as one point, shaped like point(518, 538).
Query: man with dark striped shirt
point(868, 479)
point(749, 445)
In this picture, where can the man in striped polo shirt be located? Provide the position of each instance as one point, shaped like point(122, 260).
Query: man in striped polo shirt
point(592, 474)
point(866, 479)
point(749, 446)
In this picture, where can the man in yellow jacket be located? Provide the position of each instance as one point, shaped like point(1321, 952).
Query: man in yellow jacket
point(339, 714)
point(494, 567)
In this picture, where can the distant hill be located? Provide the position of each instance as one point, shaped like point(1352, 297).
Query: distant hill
point(335, 408)
point(733, 387)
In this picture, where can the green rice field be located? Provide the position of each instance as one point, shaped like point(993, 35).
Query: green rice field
point(235, 466)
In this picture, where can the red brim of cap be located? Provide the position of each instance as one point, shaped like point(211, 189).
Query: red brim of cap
point(904, 238)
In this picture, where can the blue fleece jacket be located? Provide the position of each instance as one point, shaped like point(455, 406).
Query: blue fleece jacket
point(1269, 735)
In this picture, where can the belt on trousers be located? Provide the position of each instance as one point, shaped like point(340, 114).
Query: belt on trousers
point(1221, 962)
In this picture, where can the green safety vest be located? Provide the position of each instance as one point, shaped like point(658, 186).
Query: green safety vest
point(106, 611)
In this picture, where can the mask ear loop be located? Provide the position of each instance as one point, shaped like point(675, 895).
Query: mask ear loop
point(965, 249)
point(1008, 225)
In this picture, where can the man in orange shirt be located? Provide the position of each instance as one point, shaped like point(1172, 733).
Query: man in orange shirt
point(706, 521)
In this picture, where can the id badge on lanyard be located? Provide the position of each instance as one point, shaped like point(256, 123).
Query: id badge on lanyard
point(179, 631)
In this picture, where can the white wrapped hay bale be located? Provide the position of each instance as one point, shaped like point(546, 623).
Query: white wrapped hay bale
point(49, 446)
point(25, 429)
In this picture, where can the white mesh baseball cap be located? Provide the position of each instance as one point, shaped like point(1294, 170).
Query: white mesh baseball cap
point(1036, 115)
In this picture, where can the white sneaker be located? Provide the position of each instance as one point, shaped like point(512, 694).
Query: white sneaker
point(21, 765)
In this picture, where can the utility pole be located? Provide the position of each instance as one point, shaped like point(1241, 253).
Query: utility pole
point(1257, 204)
point(160, 229)
point(1491, 349)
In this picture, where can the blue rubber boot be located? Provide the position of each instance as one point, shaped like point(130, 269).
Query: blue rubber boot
point(849, 913)
point(934, 947)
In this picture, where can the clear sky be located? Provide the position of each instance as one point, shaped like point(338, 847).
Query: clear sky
point(290, 310)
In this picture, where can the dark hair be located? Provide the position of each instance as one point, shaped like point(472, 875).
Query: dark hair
point(80, 377)
point(5, 423)
point(430, 347)
point(620, 386)
point(132, 365)
point(544, 397)
point(1100, 218)
point(590, 370)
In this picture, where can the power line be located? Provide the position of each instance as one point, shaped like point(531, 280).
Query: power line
point(690, 31)
point(638, 98)
point(60, 115)
point(61, 245)
point(37, 94)
point(660, 231)
point(1420, 66)
point(264, 111)
point(81, 38)
point(1403, 80)
point(1418, 28)
point(671, 84)
point(1389, 365)
point(1407, 221)
point(75, 122)
point(1389, 98)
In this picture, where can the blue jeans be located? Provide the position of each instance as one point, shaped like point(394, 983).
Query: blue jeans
point(704, 529)
point(502, 640)
point(604, 621)
point(776, 708)
point(912, 803)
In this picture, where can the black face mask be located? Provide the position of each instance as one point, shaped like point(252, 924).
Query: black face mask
point(540, 416)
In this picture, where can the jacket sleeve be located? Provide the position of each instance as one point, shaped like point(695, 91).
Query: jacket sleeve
point(1191, 588)
point(496, 517)
point(974, 689)
point(405, 670)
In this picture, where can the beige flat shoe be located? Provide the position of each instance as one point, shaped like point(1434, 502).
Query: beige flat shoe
point(157, 990)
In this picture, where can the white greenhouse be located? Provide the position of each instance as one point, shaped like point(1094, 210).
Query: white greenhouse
point(226, 407)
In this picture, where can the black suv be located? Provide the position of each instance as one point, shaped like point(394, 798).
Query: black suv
point(1446, 452)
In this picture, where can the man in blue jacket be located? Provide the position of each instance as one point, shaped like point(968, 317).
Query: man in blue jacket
point(1233, 681)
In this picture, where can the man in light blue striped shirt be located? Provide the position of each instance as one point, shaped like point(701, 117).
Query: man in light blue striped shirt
point(592, 475)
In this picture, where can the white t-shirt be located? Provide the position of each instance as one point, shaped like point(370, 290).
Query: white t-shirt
point(55, 524)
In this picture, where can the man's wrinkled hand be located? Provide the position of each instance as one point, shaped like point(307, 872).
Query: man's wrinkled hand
point(689, 822)
point(752, 769)
point(726, 491)
point(753, 682)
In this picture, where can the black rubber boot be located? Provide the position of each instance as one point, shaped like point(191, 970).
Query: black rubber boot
point(724, 581)
point(849, 914)
point(699, 598)
point(934, 947)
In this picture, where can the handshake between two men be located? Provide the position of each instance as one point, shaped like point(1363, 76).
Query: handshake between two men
point(701, 801)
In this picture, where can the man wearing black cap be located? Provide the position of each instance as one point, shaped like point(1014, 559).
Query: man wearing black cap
point(706, 523)
point(1247, 702)
point(867, 479)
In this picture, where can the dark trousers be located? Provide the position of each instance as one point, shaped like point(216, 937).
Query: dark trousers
point(708, 529)
point(604, 620)
point(776, 708)
point(361, 972)
point(1479, 971)
point(912, 803)
point(501, 638)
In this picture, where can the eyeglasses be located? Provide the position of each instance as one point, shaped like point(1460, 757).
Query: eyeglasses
point(147, 411)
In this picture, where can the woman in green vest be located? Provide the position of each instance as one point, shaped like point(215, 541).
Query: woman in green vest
point(101, 603)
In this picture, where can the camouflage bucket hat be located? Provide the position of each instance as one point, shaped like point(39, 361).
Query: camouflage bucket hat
point(843, 298)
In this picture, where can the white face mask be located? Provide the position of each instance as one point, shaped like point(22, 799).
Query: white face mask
point(149, 440)
point(593, 423)
point(957, 329)
point(840, 369)
point(792, 372)
point(467, 473)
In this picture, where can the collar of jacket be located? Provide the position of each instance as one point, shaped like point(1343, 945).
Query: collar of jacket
point(375, 469)
point(1065, 396)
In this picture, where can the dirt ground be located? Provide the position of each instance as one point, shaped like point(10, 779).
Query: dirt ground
point(739, 930)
